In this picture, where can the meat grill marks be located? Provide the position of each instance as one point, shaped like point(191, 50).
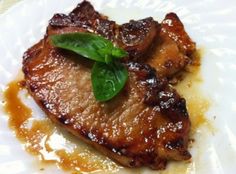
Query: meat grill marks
point(147, 124)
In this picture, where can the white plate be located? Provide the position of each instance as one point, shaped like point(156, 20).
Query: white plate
point(211, 23)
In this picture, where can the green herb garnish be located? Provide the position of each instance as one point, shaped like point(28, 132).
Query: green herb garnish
point(108, 79)
point(108, 74)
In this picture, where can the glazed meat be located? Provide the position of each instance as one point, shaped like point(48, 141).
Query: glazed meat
point(147, 124)
point(173, 49)
point(166, 46)
point(135, 37)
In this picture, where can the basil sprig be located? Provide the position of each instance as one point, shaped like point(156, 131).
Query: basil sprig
point(108, 74)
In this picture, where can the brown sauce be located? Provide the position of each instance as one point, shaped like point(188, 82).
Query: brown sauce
point(190, 89)
point(18, 112)
point(43, 139)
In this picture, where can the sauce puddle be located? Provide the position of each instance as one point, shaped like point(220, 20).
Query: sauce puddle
point(197, 104)
point(41, 138)
point(55, 146)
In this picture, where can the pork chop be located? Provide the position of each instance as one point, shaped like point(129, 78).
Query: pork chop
point(147, 124)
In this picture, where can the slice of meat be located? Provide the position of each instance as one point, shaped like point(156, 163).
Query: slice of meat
point(146, 124)
point(173, 49)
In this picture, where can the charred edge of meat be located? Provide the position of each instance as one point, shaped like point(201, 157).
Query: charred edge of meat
point(83, 14)
point(177, 143)
point(172, 104)
point(137, 36)
point(83, 11)
point(60, 20)
point(158, 92)
point(85, 17)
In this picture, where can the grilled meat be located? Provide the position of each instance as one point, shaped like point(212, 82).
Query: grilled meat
point(147, 124)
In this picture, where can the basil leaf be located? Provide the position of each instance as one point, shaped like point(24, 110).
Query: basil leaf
point(108, 80)
point(118, 53)
point(88, 45)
